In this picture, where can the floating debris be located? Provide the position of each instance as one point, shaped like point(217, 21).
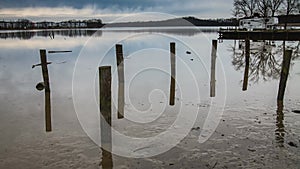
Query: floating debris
point(252, 150)
point(59, 51)
point(62, 62)
point(188, 52)
point(33, 66)
point(40, 86)
point(296, 111)
point(292, 144)
point(196, 128)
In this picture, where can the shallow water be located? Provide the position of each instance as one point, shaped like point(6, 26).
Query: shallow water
point(250, 132)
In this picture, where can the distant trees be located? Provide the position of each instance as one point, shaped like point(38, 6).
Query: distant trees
point(27, 24)
point(274, 6)
point(245, 8)
point(265, 8)
point(290, 6)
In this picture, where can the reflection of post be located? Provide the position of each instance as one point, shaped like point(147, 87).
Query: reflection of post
point(284, 74)
point(213, 68)
point(279, 132)
point(173, 72)
point(105, 110)
point(247, 61)
point(120, 67)
point(47, 89)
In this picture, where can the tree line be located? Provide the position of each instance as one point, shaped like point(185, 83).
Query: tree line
point(265, 8)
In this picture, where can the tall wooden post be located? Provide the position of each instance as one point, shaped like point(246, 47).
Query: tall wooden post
point(213, 68)
point(285, 68)
point(43, 57)
point(105, 110)
point(247, 62)
point(120, 67)
point(173, 73)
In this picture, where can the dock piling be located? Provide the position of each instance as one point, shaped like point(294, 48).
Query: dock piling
point(120, 67)
point(105, 110)
point(213, 68)
point(44, 63)
point(173, 73)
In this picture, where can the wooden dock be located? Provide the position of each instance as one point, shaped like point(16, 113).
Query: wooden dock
point(281, 35)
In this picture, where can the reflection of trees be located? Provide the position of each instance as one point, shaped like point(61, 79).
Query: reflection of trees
point(92, 32)
point(279, 132)
point(171, 31)
point(53, 33)
point(265, 58)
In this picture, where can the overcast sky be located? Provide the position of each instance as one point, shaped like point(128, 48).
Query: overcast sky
point(109, 10)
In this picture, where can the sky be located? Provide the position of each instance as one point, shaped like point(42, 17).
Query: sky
point(110, 10)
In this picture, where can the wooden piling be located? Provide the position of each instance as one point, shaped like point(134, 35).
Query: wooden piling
point(105, 120)
point(120, 67)
point(247, 63)
point(43, 58)
point(285, 68)
point(173, 73)
point(213, 68)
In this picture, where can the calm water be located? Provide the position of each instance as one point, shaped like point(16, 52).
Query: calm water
point(238, 128)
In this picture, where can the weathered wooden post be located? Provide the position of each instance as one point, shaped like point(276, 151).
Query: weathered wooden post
point(44, 63)
point(173, 73)
point(120, 67)
point(105, 110)
point(285, 68)
point(247, 62)
point(213, 68)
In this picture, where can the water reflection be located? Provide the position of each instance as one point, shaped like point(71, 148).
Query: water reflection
point(49, 33)
point(121, 79)
point(265, 58)
point(61, 77)
point(269, 60)
point(184, 31)
point(29, 34)
point(280, 132)
point(106, 160)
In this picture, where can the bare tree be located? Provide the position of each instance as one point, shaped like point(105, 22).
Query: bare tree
point(244, 7)
point(274, 6)
point(290, 6)
point(263, 7)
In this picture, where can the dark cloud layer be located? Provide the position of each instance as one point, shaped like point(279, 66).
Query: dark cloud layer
point(81, 3)
point(99, 8)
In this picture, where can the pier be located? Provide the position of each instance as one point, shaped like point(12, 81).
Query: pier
point(281, 35)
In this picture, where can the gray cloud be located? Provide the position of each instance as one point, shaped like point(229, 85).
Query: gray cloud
point(110, 9)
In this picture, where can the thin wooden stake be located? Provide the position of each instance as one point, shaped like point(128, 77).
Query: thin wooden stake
point(47, 90)
point(105, 110)
point(173, 73)
point(247, 61)
point(213, 68)
point(285, 68)
point(120, 66)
